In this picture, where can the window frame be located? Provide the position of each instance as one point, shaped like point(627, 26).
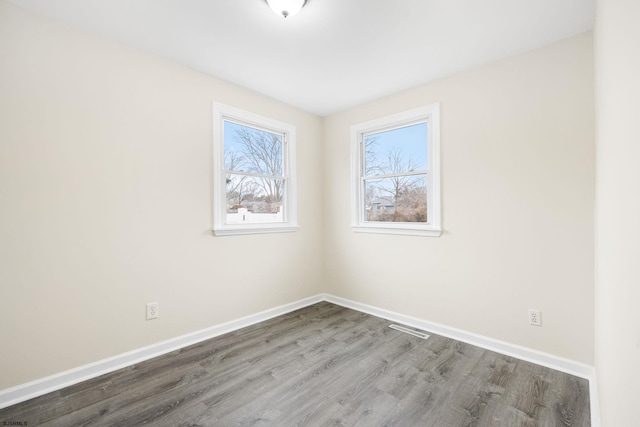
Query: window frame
point(432, 228)
point(222, 113)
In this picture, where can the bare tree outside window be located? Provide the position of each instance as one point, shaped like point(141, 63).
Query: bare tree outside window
point(395, 173)
point(395, 182)
point(254, 169)
point(236, 184)
point(254, 173)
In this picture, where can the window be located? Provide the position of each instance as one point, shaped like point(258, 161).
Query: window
point(254, 187)
point(395, 173)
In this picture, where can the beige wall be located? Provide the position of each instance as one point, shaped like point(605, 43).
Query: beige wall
point(617, 59)
point(105, 202)
point(517, 193)
point(105, 181)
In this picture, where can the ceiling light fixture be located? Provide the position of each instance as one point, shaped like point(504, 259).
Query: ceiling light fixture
point(286, 8)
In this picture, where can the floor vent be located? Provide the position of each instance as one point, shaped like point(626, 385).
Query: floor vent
point(406, 330)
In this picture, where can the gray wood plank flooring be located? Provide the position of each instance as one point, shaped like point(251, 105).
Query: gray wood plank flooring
point(324, 365)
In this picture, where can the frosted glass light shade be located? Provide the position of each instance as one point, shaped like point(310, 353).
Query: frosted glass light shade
point(286, 7)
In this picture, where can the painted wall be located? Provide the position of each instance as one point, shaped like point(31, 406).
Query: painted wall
point(105, 182)
point(517, 192)
point(105, 202)
point(617, 353)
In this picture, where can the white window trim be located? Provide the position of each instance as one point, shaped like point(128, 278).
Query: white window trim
point(431, 113)
point(223, 112)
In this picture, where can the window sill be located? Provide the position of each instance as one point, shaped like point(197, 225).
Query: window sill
point(236, 230)
point(406, 230)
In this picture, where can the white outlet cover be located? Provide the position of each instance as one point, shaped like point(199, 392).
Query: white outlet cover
point(152, 311)
point(534, 317)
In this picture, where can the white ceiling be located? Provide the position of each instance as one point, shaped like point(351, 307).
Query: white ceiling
point(334, 54)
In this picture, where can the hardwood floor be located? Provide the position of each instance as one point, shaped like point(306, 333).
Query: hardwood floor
point(323, 365)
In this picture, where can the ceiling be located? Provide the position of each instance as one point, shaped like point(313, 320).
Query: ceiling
point(334, 54)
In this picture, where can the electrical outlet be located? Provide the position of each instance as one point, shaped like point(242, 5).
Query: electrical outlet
point(534, 317)
point(152, 310)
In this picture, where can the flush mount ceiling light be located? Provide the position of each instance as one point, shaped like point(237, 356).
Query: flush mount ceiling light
point(286, 7)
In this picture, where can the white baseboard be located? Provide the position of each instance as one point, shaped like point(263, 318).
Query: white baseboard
point(594, 400)
point(36, 388)
point(22, 392)
point(523, 353)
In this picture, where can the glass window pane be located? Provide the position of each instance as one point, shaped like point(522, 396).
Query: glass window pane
point(396, 151)
point(247, 149)
point(252, 199)
point(397, 199)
